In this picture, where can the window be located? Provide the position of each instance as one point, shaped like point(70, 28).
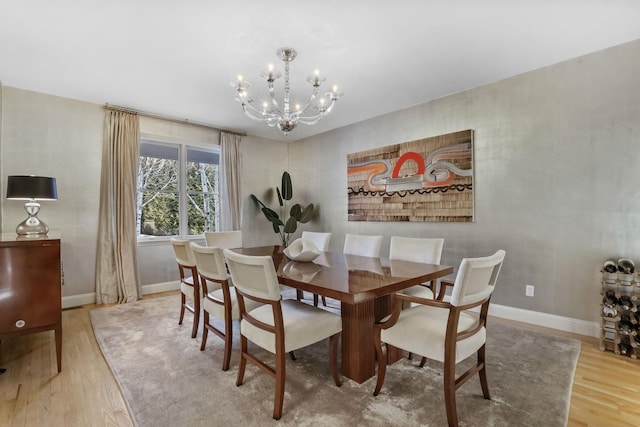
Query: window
point(177, 189)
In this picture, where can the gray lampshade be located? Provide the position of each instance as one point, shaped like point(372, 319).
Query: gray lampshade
point(27, 187)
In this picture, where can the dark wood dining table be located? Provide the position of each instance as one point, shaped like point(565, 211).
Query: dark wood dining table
point(363, 286)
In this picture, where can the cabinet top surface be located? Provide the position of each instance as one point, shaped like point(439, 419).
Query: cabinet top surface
point(13, 237)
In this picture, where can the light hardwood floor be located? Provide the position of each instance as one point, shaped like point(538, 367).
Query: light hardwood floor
point(606, 388)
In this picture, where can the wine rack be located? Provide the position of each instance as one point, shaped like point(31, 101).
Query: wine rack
point(620, 314)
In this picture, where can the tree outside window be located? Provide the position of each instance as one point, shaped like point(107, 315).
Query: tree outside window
point(177, 189)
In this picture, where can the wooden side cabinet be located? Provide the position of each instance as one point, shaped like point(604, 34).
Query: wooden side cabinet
point(30, 287)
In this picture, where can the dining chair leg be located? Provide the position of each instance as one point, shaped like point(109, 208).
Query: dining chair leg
point(333, 357)
point(243, 360)
point(228, 337)
point(450, 391)
point(292, 355)
point(382, 363)
point(205, 331)
point(196, 316)
point(423, 361)
point(183, 300)
point(483, 373)
point(280, 373)
point(315, 300)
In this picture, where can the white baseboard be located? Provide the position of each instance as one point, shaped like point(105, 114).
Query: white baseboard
point(567, 324)
point(160, 287)
point(78, 300)
point(83, 299)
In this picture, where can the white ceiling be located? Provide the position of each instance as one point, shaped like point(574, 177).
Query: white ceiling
point(177, 58)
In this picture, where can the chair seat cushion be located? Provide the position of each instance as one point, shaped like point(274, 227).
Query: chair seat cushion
point(421, 330)
point(303, 325)
point(217, 310)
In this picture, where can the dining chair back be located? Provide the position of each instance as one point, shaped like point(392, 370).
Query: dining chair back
point(189, 282)
point(279, 326)
point(417, 249)
point(362, 245)
point(321, 240)
point(219, 297)
point(224, 239)
point(448, 332)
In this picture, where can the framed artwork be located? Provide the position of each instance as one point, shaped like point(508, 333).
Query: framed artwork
point(427, 180)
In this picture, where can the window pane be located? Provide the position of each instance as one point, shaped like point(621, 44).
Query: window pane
point(202, 213)
point(157, 174)
point(202, 188)
point(159, 214)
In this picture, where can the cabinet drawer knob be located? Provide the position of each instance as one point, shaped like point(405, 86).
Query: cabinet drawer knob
point(20, 323)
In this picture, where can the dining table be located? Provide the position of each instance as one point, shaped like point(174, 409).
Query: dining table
point(364, 287)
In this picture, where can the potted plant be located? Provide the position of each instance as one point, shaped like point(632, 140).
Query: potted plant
point(284, 226)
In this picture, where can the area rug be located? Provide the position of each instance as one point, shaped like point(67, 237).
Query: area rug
point(167, 381)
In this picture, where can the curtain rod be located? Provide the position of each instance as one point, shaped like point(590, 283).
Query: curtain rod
point(170, 119)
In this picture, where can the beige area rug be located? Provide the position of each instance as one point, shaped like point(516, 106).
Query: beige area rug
point(167, 381)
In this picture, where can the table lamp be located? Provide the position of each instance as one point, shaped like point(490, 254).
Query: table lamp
point(31, 188)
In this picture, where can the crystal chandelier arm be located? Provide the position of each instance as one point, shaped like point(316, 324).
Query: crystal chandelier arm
point(285, 115)
point(312, 120)
point(259, 115)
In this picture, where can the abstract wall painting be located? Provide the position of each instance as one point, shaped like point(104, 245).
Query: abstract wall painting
point(427, 180)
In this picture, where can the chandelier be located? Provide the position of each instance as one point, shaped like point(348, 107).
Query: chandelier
point(286, 115)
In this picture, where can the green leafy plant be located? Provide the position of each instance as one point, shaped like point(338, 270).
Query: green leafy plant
point(284, 226)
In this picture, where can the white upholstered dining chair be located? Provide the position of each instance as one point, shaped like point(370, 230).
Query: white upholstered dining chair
point(417, 249)
point(362, 245)
point(448, 332)
point(224, 239)
point(321, 241)
point(189, 282)
point(218, 297)
point(279, 326)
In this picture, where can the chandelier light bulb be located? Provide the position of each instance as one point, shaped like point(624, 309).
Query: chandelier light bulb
point(280, 113)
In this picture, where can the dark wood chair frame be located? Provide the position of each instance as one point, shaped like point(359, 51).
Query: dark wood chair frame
point(225, 302)
point(279, 372)
point(300, 296)
point(195, 309)
point(451, 383)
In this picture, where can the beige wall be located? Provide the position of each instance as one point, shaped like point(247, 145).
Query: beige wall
point(557, 155)
point(52, 136)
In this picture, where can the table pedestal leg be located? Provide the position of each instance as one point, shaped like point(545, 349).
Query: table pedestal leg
point(358, 353)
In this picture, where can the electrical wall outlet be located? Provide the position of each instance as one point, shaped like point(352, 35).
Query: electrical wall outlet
point(529, 290)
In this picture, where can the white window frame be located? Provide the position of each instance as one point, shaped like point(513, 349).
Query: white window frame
point(183, 217)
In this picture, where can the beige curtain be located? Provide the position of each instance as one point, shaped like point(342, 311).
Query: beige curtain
point(230, 194)
point(116, 266)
